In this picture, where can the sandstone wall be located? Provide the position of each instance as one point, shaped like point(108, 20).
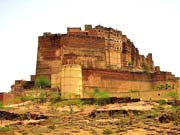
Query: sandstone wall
point(147, 95)
point(109, 60)
point(6, 98)
point(121, 52)
point(106, 48)
point(49, 57)
point(114, 81)
point(122, 82)
point(83, 50)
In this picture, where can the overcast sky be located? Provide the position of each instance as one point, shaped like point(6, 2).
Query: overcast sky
point(153, 26)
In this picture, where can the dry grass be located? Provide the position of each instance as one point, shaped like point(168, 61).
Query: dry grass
point(62, 122)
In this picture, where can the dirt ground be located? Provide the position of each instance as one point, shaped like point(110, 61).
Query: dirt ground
point(76, 120)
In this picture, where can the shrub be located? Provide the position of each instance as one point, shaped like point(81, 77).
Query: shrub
point(1, 105)
point(167, 86)
point(162, 102)
point(160, 86)
point(71, 102)
point(130, 63)
point(176, 114)
point(55, 97)
point(154, 113)
point(94, 132)
point(42, 82)
point(101, 97)
point(107, 131)
point(42, 96)
point(27, 98)
point(173, 95)
point(4, 129)
point(175, 109)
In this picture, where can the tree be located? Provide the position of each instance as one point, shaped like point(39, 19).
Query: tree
point(42, 82)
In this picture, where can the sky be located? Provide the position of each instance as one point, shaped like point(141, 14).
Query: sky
point(153, 26)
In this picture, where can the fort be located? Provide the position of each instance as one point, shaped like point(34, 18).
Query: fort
point(98, 57)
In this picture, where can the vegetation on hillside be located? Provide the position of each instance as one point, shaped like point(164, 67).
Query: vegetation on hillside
point(173, 95)
point(42, 82)
point(101, 97)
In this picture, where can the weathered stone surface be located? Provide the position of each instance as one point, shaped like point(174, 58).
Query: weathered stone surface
point(6, 98)
point(109, 60)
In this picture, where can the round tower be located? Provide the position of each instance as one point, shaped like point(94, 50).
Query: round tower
point(71, 81)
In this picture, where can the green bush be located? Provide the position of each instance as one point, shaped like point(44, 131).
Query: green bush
point(102, 101)
point(176, 114)
point(55, 97)
point(175, 109)
point(173, 95)
point(160, 86)
point(43, 96)
point(167, 86)
point(154, 113)
point(101, 97)
point(71, 102)
point(107, 131)
point(42, 82)
point(94, 132)
point(27, 98)
point(162, 102)
point(130, 63)
point(1, 105)
point(4, 129)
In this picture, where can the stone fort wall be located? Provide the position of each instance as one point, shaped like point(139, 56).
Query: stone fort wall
point(6, 98)
point(106, 48)
point(109, 60)
point(123, 81)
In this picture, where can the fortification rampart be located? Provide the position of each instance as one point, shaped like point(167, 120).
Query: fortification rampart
point(124, 81)
point(109, 60)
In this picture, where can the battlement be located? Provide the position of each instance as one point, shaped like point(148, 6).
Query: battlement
point(83, 36)
point(73, 29)
point(110, 30)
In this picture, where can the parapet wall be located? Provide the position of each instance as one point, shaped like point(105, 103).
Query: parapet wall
point(116, 82)
point(81, 41)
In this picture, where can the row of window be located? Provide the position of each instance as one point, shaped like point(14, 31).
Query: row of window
point(115, 34)
point(116, 48)
point(111, 39)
